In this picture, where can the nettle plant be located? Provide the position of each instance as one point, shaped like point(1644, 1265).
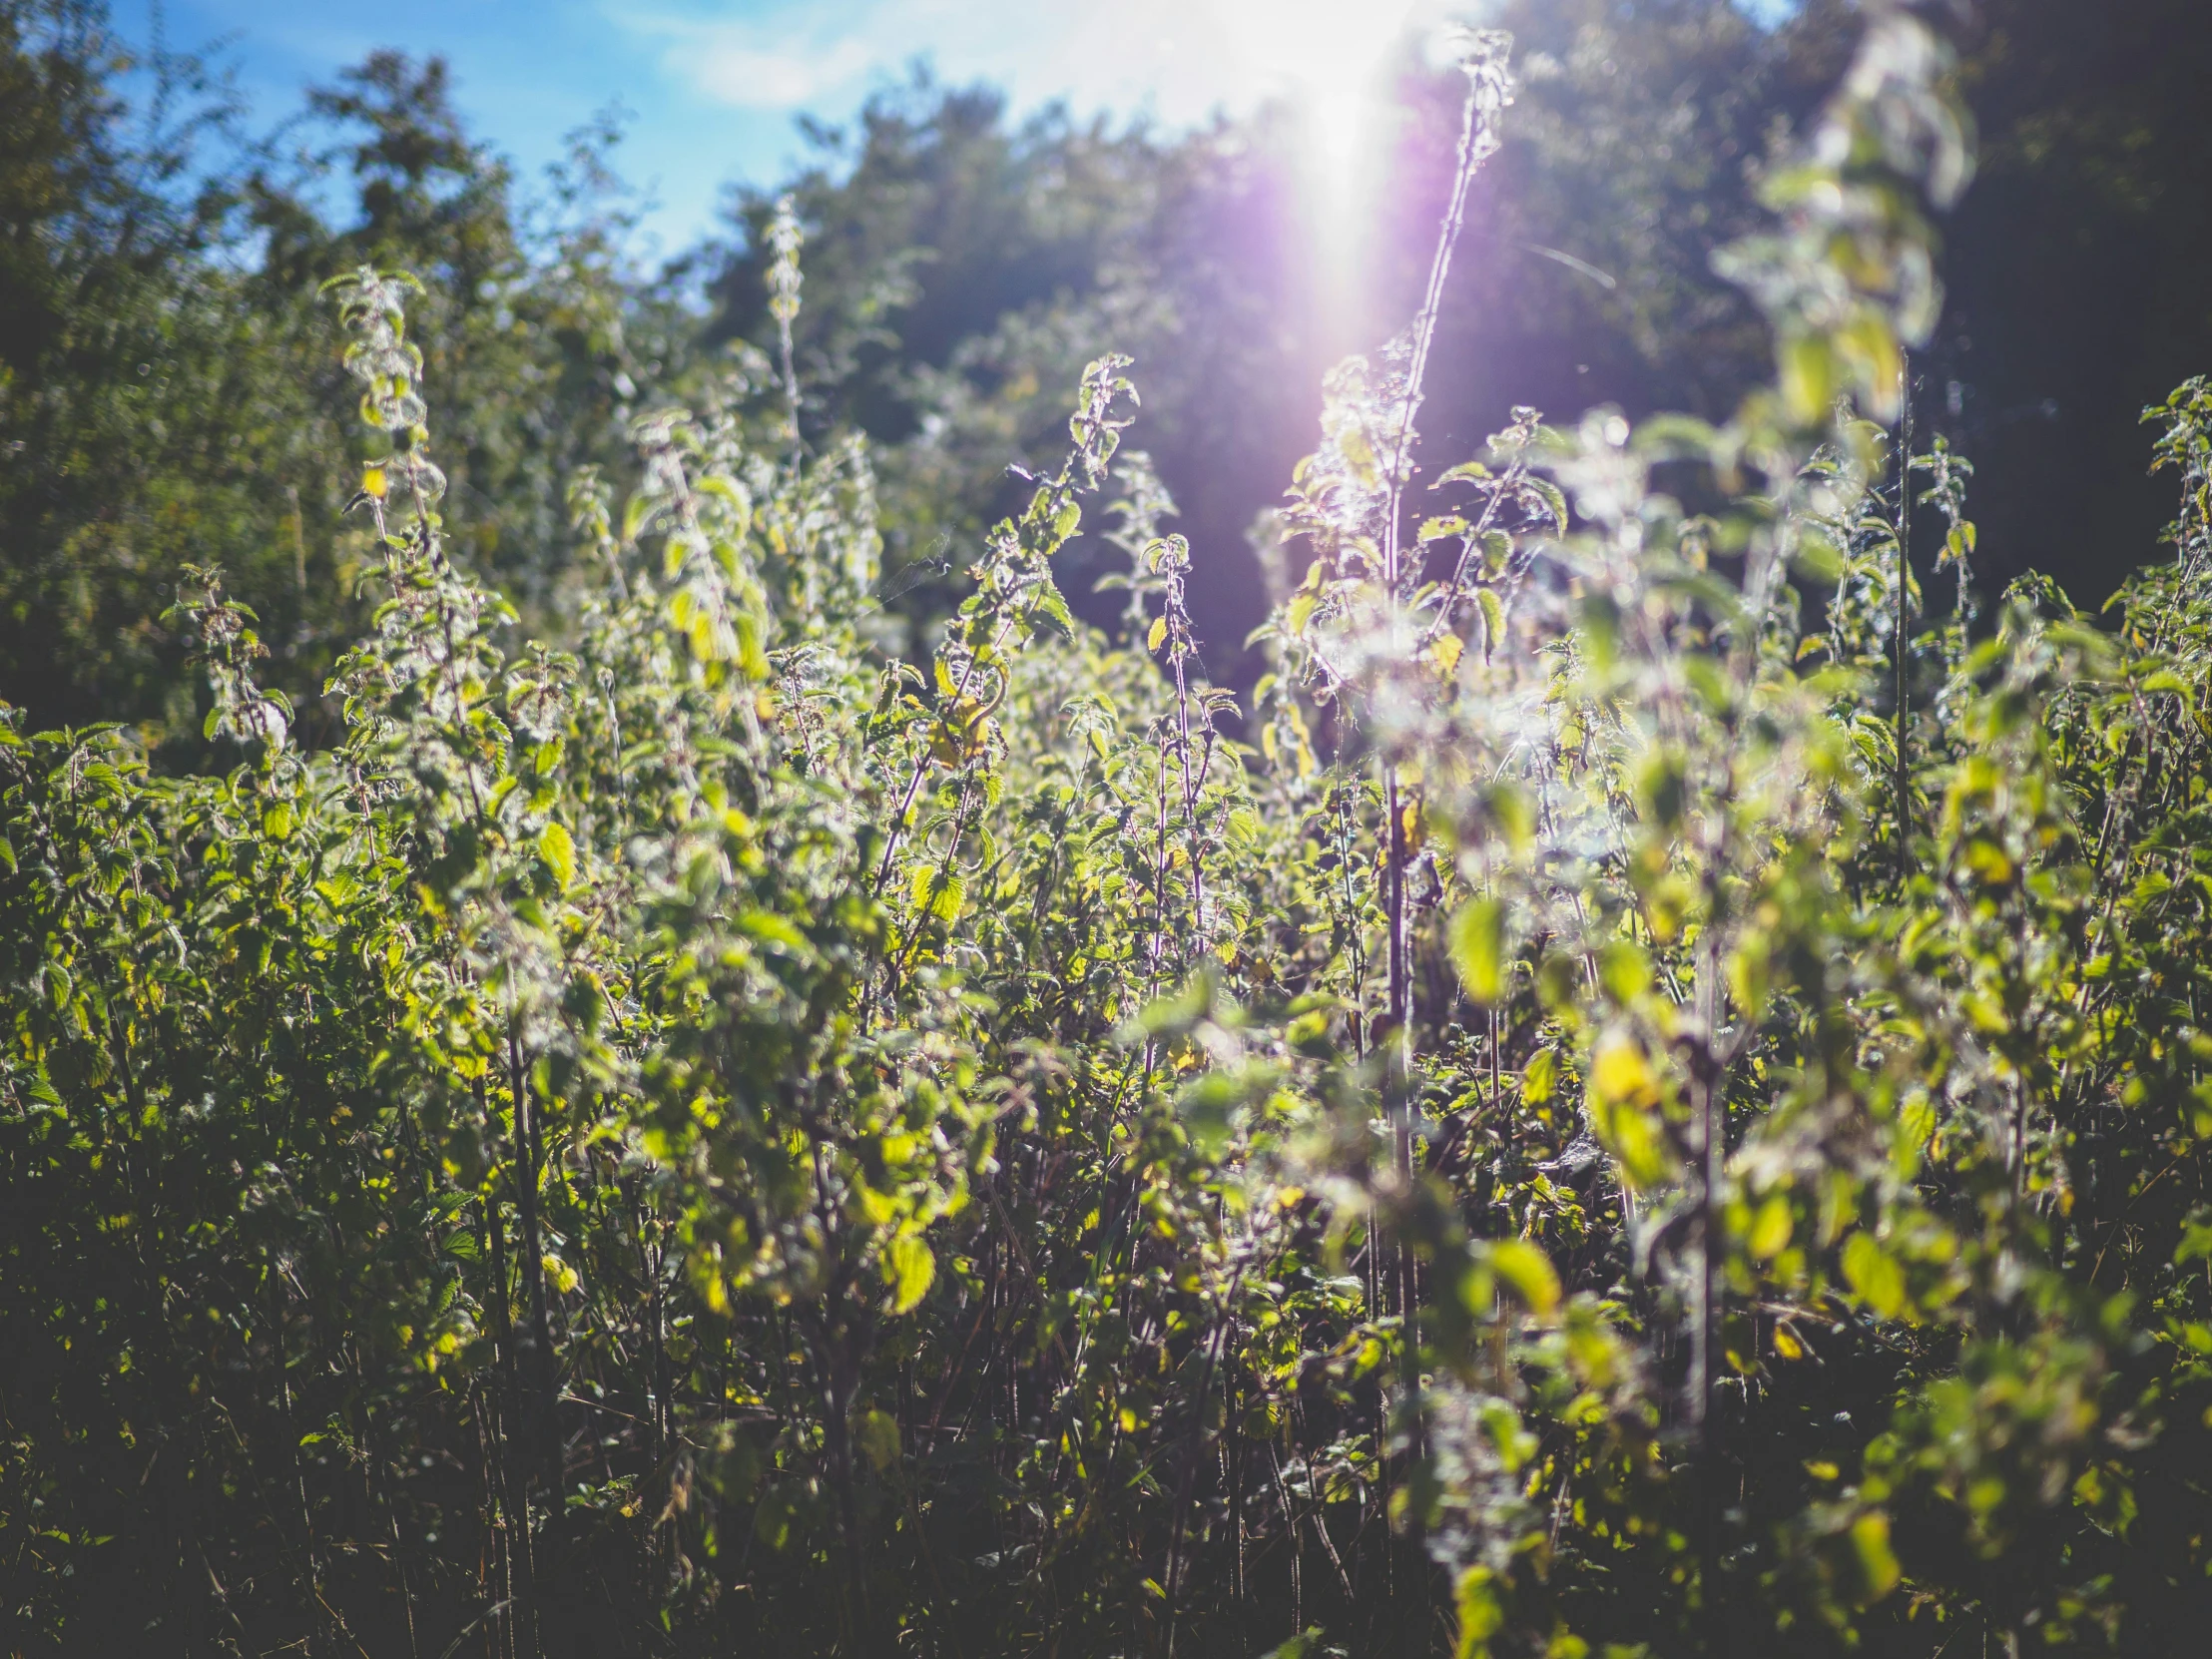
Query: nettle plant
point(1630, 1104)
point(1734, 952)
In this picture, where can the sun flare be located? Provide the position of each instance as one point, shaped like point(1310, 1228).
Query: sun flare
point(1322, 55)
point(1323, 59)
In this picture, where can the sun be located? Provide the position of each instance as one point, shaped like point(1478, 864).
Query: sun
point(1323, 59)
point(1324, 55)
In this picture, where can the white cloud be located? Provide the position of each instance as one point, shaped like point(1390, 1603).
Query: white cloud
point(771, 77)
point(782, 58)
point(1178, 60)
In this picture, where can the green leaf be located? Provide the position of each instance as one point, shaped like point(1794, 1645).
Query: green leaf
point(1494, 618)
point(558, 850)
point(1540, 1076)
point(911, 1267)
point(1554, 503)
point(937, 892)
point(1878, 1563)
point(1514, 814)
point(1477, 941)
point(777, 933)
point(730, 490)
point(1623, 1101)
point(877, 1434)
point(1474, 1598)
point(751, 658)
point(1208, 1110)
point(1530, 1271)
point(1810, 377)
point(1054, 608)
point(1875, 1276)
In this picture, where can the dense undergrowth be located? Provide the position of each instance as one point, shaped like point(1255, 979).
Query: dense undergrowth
point(1644, 1097)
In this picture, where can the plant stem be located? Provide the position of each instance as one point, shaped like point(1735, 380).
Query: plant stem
point(529, 1155)
point(1904, 579)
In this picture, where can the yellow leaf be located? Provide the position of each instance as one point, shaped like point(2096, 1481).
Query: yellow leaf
point(1770, 1233)
point(558, 849)
point(1877, 1564)
point(1622, 1075)
point(1622, 1095)
point(912, 1269)
point(1987, 861)
point(1530, 1271)
point(1158, 637)
point(1494, 618)
point(1479, 1614)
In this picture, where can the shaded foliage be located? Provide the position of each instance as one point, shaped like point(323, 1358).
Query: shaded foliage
point(1655, 1106)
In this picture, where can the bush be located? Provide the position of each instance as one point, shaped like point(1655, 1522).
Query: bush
point(1631, 1103)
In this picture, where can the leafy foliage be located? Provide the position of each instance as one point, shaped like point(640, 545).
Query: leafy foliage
point(1648, 1109)
point(166, 392)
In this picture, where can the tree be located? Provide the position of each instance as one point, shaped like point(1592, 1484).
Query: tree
point(169, 394)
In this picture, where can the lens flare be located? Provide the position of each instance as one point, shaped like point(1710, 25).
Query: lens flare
point(1324, 58)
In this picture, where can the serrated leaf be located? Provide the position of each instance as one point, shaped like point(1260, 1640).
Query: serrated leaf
point(558, 849)
point(1054, 608)
point(939, 893)
point(1554, 502)
point(911, 1267)
point(1494, 619)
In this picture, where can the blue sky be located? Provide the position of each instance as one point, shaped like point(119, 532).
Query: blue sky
point(713, 86)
